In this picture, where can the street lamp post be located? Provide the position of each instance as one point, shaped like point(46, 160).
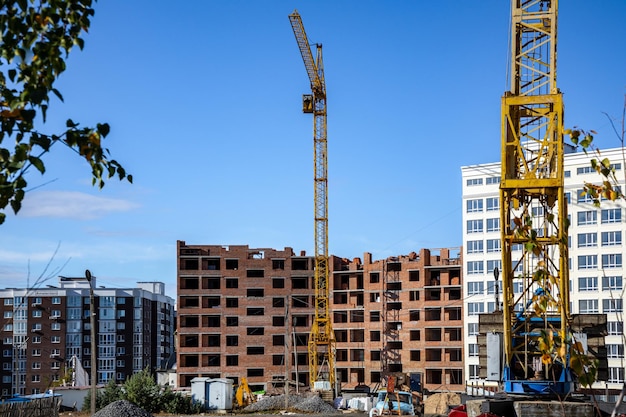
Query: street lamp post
point(496, 273)
point(94, 360)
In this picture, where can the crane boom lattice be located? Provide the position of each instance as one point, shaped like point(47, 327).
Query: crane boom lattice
point(322, 338)
point(533, 210)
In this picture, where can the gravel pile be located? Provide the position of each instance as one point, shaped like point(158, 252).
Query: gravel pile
point(122, 408)
point(313, 405)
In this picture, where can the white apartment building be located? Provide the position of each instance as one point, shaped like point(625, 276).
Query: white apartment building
point(596, 252)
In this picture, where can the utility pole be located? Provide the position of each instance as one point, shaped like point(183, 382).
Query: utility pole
point(94, 358)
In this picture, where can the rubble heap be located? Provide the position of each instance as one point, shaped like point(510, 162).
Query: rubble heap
point(122, 408)
point(312, 404)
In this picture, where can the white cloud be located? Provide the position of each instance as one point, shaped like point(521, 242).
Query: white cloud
point(71, 204)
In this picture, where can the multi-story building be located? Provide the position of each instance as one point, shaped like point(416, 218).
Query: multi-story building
point(248, 313)
point(401, 315)
point(596, 250)
point(45, 330)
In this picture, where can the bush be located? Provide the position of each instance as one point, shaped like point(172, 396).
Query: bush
point(142, 390)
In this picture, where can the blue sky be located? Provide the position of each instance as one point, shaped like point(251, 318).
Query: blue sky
point(204, 103)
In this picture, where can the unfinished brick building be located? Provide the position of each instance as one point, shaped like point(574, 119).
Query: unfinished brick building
point(240, 310)
point(401, 315)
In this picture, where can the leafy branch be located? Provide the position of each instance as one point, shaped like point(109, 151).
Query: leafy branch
point(37, 37)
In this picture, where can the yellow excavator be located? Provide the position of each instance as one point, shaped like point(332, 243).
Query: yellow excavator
point(243, 395)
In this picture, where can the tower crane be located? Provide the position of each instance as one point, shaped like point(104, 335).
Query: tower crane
point(322, 338)
point(533, 209)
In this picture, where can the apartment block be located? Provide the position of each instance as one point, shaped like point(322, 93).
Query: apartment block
point(245, 312)
point(596, 249)
point(399, 316)
point(46, 330)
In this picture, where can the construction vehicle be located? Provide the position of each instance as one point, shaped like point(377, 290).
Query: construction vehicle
point(243, 395)
point(322, 338)
point(391, 401)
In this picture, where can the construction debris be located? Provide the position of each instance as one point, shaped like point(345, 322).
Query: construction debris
point(440, 403)
point(312, 404)
point(122, 408)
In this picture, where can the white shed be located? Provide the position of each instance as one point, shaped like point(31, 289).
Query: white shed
point(212, 393)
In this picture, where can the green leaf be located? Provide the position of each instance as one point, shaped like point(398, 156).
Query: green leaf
point(57, 93)
point(37, 163)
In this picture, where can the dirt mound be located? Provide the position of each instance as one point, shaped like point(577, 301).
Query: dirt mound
point(439, 403)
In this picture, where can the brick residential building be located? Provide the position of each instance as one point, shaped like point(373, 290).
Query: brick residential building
point(44, 329)
point(241, 309)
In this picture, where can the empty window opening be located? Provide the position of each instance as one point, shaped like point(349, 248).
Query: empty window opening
point(255, 273)
point(232, 264)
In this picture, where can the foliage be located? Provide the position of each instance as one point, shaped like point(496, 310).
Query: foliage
point(37, 36)
point(608, 188)
point(111, 392)
point(142, 390)
point(176, 403)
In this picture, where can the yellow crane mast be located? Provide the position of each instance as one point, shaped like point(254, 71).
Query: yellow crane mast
point(533, 209)
point(322, 338)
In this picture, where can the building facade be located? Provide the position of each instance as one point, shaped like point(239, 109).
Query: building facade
point(246, 312)
point(596, 250)
point(45, 331)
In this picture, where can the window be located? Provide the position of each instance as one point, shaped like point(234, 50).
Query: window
point(255, 311)
point(587, 217)
point(588, 306)
point(472, 329)
point(473, 371)
point(615, 328)
point(492, 264)
point(475, 267)
point(474, 246)
point(588, 284)
point(491, 287)
point(612, 260)
point(616, 375)
point(615, 351)
point(611, 215)
point(612, 238)
point(479, 308)
point(583, 197)
point(474, 226)
point(588, 262)
point(584, 170)
point(493, 204)
point(474, 205)
point(493, 180)
point(612, 305)
point(493, 225)
point(473, 350)
point(255, 292)
point(278, 283)
point(612, 283)
point(493, 245)
point(475, 288)
point(474, 181)
point(56, 300)
point(587, 240)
